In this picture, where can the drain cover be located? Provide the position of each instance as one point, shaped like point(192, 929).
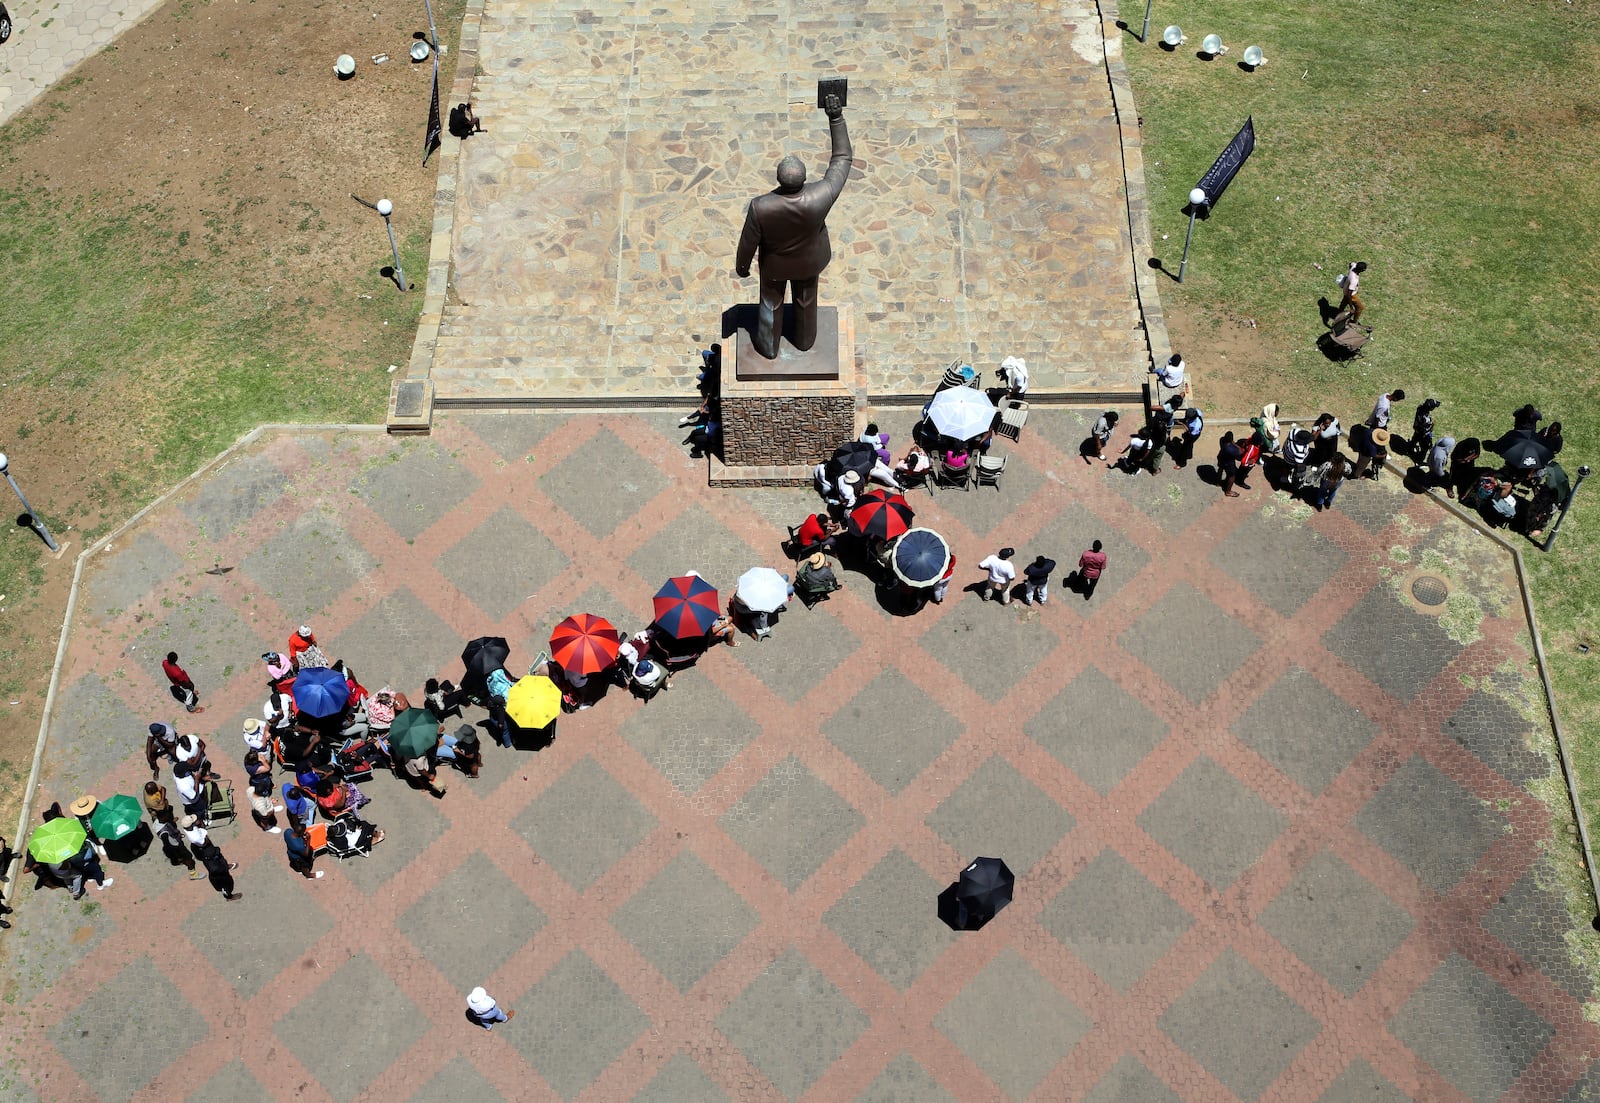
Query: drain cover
point(1429, 590)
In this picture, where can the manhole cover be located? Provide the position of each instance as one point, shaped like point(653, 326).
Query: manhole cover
point(1429, 590)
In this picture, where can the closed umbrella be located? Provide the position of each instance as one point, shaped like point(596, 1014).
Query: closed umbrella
point(885, 516)
point(986, 886)
point(533, 702)
point(57, 840)
point(686, 607)
point(481, 658)
point(961, 413)
point(584, 644)
point(319, 691)
point(414, 733)
point(762, 589)
point(921, 557)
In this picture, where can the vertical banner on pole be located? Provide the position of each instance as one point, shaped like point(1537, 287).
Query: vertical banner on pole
point(1227, 166)
point(430, 140)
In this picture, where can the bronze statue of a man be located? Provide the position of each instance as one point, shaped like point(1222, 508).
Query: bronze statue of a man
point(787, 229)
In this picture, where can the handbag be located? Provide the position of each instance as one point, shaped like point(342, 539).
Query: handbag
point(1251, 454)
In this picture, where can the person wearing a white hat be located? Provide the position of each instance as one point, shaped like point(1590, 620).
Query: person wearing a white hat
point(483, 1011)
point(301, 640)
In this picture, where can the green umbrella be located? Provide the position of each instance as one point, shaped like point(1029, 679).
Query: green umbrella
point(117, 817)
point(413, 734)
point(57, 840)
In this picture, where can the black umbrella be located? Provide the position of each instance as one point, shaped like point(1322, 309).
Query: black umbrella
point(1522, 451)
point(482, 657)
point(857, 456)
point(985, 887)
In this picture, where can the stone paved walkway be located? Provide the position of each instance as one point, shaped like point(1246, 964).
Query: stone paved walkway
point(1272, 823)
point(596, 220)
point(50, 37)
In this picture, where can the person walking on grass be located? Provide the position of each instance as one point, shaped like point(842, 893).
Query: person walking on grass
point(182, 686)
point(1001, 575)
point(1350, 305)
point(1091, 565)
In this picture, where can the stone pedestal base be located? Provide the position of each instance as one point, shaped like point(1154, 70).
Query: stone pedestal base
point(774, 430)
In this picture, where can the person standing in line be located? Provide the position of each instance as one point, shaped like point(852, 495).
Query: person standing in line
point(942, 587)
point(1228, 454)
point(1327, 431)
point(219, 871)
point(484, 1012)
point(1422, 430)
point(1438, 460)
point(1350, 284)
point(1194, 423)
point(297, 843)
point(1091, 565)
point(1036, 581)
point(1100, 436)
point(1001, 575)
point(182, 685)
point(1332, 479)
point(1384, 407)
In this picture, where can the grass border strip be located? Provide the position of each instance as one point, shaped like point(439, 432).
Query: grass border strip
point(8, 891)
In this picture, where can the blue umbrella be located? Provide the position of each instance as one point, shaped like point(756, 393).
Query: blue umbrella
point(321, 691)
point(921, 557)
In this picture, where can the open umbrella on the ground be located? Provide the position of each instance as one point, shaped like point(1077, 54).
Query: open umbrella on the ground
point(921, 557)
point(119, 823)
point(533, 702)
point(762, 589)
point(584, 644)
point(884, 515)
point(856, 455)
point(319, 691)
point(1522, 451)
point(57, 840)
point(961, 413)
point(986, 886)
point(953, 911)
point(414, 733)
point(482, 657)
point(686, 606)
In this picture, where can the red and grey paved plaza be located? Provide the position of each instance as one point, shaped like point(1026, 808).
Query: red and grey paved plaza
point(1281, 832)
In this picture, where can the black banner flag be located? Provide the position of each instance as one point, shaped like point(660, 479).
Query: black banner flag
point(1227, 166)
point(430, 141)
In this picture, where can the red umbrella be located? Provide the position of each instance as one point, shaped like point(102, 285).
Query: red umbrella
point(886, 517)
point(584, 644)
point(686, 606)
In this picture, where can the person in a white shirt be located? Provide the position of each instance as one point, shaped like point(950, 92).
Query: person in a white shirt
point(1014, 374)
point(1170, 374)
point(1001, 575)
point(1350, 282)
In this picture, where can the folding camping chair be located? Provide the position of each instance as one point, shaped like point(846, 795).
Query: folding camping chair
point(343, 836)
point(219, 803)
point(1013, 416)
point(1345, 340)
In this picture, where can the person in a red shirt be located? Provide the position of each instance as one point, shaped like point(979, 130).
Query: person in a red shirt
point(818, 532)
point(182, 685)
point(299, 641)
point(1091, 565)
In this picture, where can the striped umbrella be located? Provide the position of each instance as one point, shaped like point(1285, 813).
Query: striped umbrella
point(884, 515)
point(686, 607)
point(584, 644)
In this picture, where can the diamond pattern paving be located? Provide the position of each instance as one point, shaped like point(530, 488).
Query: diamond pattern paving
point(674, 892)
point(117, 1052)
point(685, 920)
point(579, 1021)
point(1400, 650)
point(791, 822)
point(791, 1001)
point(447, 923)
point(346, 1061)
point(1431, 825)
point(1239, 1025)
point(1337, 922)
point(1221, 644)
point(1211, 821)
point(583, 823)
point(502, 563)
point(1472, 1030)
point(1013, 1024)
point(1303, 729)
point(891, 702)
point(888, 920)
point(998, 813)
point(1115, 920)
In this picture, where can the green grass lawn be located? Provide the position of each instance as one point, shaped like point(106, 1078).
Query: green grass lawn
point(1449, 145)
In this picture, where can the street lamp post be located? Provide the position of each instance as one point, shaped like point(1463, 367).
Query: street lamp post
point(32, 519)
point(1144, 35)
point(1197, 199)
point(386, 208)
point(1583, 473)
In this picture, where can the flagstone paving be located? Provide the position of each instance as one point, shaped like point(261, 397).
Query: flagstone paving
point(1271, 821)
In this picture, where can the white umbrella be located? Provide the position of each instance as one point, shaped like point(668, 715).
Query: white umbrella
point(762, 590)
point(961, 412)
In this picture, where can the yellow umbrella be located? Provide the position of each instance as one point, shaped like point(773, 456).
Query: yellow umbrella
point(533, 702)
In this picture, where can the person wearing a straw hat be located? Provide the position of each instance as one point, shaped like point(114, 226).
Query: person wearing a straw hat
point(1369, 445)
point(83, 808)
point(483, 1011)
